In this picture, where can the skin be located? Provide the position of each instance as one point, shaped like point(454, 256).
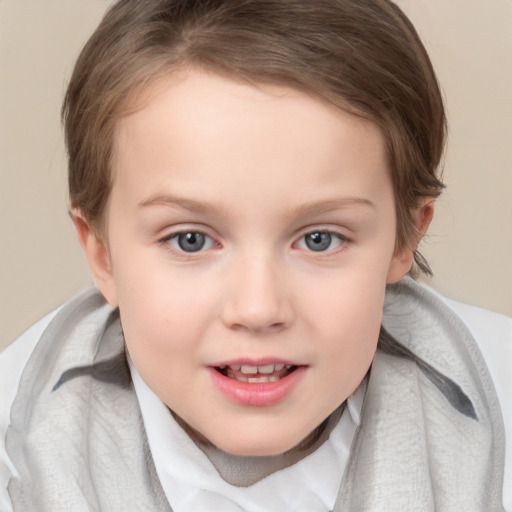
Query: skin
point(255, 169)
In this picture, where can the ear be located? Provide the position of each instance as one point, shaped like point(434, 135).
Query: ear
point(404, 256)
point(97, 257)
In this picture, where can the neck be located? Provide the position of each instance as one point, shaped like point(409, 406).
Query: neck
point(244, 471)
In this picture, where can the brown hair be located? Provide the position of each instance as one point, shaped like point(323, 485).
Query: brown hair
point(361, 55)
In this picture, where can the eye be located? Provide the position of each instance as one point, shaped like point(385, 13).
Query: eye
point(320, 241)
point(190, 241)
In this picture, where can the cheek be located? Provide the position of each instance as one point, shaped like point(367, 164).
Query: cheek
point(165, 313)
point(348, 318)
point(161, 338)
point(160, 319)
point(356, 326)
point(159, 316)
point(350, 298)
point(352, 354)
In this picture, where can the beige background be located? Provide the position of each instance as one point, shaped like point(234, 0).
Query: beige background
point(470, 243)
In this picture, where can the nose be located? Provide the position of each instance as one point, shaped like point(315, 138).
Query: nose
point(258, 299)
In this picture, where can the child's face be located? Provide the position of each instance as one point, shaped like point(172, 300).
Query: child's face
point(249, 227)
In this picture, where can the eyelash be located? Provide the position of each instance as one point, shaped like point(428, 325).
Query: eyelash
point(168, 241)
point(342, 242)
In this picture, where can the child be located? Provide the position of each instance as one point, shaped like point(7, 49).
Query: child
point(249, 181)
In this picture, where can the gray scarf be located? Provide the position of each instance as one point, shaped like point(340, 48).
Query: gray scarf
point(427, 442)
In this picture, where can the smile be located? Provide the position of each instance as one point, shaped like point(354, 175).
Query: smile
point(256, 385)
point(253, 374)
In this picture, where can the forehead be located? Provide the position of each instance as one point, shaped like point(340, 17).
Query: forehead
point(191, 127)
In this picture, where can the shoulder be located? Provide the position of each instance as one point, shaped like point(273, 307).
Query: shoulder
point(12, 362)
point(14, 358)
point(82, 308)
point(493, 335)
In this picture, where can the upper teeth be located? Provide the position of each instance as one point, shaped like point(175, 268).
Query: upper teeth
point(248, 369)
point(266, 369)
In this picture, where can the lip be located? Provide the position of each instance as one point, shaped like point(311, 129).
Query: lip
point(260, 394)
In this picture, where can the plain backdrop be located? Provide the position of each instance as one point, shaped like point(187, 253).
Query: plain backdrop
point(470, 241)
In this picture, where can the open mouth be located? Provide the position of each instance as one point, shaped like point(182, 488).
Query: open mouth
point(256, 374)
point(257, 383)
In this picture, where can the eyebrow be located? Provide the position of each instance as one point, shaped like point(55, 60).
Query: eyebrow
point(308, 209)
point(326, 206)
point(180, 202)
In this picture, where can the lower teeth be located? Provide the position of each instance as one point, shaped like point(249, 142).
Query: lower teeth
point(266, 378)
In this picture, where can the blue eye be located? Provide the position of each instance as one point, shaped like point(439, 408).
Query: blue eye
point(320, 241)
point(190, 241)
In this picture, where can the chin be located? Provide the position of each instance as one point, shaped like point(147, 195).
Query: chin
point(262, 446)
point(246, 444)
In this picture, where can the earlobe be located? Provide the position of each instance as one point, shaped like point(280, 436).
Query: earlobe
point(404, 256)
point(97, 257)
point(401, 263)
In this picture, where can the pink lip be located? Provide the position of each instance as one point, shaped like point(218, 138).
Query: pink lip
point(260, 394)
